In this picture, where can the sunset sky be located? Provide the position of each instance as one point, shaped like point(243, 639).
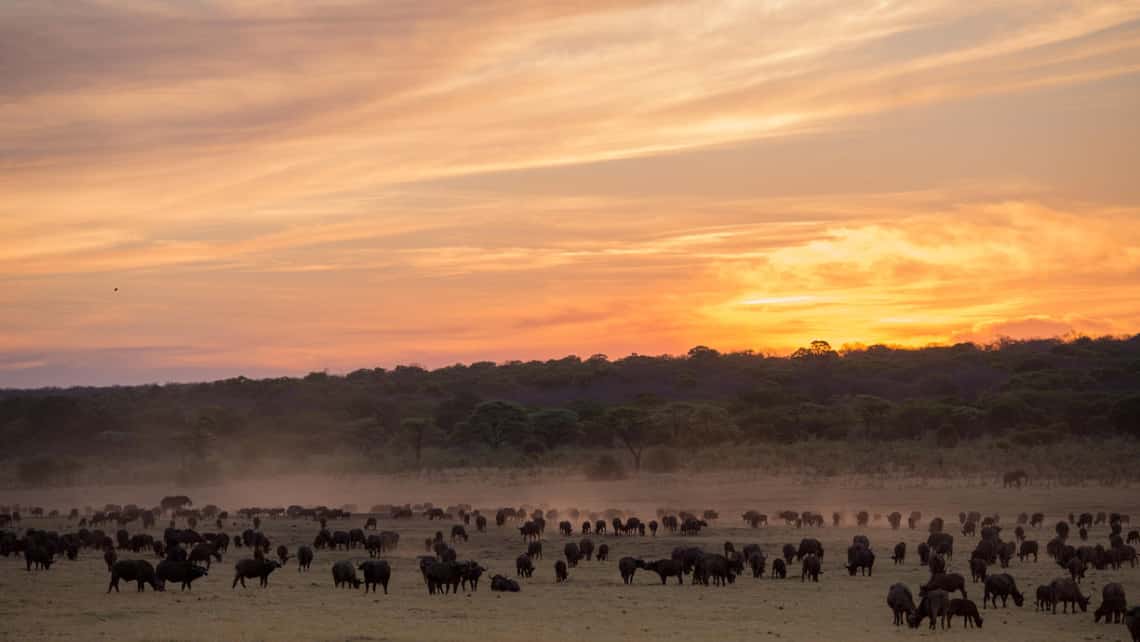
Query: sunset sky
point(281, 187)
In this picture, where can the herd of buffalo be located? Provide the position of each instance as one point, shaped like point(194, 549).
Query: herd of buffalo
point(185, 554)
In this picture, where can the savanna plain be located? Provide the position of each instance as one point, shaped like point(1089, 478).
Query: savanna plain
point(70, 601)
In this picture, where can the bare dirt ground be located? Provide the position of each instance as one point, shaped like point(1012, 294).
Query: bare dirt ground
point(70, 600)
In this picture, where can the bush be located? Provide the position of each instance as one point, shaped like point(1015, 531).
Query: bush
point(606, 468)
point(662, 460)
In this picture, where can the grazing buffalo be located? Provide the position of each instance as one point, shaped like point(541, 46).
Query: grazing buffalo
point(899, 555)
point(967, 609)
point(666, 568)
point(628, 566)
point(560, 573)
point(1003, 586)
point(1132, 623)
point(182, 572)
point(1067, 592)
point(139, 571)
point(779, 569)
point(458, 532)
point(375, 572)
point(603, 553)
point(934, 605)
point(1113, 606)
point(344, 575)
point(901, 602)
point(251, 568)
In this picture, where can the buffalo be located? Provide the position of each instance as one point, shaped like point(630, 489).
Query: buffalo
point(139, 571)
point(573, 554)
point(899, 555)
point(182, 572)
point(1067, 592)
point(344, 575)
point(1001, 585)
point(524, 567)
point(948, 582)
point(967, 609)
point(1113, 604)
point(1132, 623)
point(810, 568)
point(504, 584)
point(251, 568)
point(375, 572)
point(628, 566)
point(860, 559)
point(666, 568)
point(1028, 547)
point(935, 605)
point(304, 558)
point(901, 602)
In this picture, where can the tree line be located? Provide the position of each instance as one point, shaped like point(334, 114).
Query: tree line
point(1028, 392)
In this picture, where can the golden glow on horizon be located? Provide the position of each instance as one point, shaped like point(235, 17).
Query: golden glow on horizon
point(277, 188)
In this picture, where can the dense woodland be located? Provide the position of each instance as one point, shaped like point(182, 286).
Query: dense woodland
point(1025, 393)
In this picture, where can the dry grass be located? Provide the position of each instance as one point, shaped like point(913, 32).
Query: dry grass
point(69, 602)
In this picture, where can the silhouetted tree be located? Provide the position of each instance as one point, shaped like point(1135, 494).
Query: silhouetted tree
point(418, 432)
point(633, 428)
point(496, 423)
point(554, 427)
